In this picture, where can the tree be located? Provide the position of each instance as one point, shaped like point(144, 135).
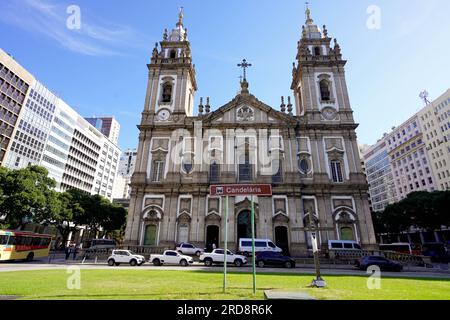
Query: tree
point(26, 193)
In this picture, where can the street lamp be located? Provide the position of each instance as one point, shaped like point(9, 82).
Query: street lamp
point(318, 282)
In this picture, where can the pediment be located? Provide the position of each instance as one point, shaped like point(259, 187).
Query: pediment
point(246, 109)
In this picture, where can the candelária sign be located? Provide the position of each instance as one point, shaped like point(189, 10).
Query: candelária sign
point(242, 190)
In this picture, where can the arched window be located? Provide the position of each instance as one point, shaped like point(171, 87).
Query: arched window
point(245, 166)
point(277, 169)
point(188, 163)
point(173, 54)
point(157, 171)
point(336, 171)
point(214, 172)
point(167, 92)
point(317, 51)
point(325, 90)
point(347, 234)
point(304, 166)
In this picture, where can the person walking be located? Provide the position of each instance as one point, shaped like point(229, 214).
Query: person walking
point(67, 251)
point(76, 248)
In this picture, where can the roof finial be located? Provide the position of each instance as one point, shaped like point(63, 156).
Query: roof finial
point(180, 17)
point(308, 12)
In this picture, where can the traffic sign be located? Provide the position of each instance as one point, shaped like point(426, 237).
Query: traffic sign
point(241, 190)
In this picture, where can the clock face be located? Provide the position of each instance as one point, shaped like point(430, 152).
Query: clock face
point(163, 115)
point(329, 113)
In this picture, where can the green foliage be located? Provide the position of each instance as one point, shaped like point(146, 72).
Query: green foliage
point(25, 193)
point(28, 195)
point(424, 210)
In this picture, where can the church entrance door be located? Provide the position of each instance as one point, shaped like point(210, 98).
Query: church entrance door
point(244, 225)
point(281, 239)
point(212, 236)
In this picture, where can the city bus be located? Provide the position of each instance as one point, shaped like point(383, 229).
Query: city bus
point(21, 245)
point(405, 248)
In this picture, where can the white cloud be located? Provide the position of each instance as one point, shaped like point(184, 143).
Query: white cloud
point(95, 38)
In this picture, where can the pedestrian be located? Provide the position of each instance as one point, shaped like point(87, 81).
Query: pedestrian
point(67, 250)
point(75, 251)
point(214, 247)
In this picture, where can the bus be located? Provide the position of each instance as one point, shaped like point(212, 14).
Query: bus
point(405, 248)
point(21, 245)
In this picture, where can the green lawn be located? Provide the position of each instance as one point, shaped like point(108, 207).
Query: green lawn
point(150, 284)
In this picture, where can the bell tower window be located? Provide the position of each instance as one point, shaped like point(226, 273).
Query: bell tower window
point(325, 93)
point(173, 54)
point(167, 92)
point(317, 51)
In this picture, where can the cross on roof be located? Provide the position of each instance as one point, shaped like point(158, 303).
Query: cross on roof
point(244, 65)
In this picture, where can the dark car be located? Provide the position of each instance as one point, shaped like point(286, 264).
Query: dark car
point(383, 263)
point(274, 259)
point(436, 251)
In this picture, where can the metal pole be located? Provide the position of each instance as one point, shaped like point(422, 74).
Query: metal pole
point(253, 246)
point(225, 247)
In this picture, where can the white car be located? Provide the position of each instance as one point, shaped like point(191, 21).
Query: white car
point(218, 256)
point(261, 245)
point(125, 256)
point(190, 249)
point(171, 257)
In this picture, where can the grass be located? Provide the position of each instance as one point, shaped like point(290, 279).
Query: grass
point(155, 285)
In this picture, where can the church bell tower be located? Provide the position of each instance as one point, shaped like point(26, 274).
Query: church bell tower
point(171, 81)
point(319, 84)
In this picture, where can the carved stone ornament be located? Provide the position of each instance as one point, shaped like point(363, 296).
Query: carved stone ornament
point(245, 114)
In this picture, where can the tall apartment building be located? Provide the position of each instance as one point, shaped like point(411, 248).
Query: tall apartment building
point(15, 83)
point(127, 162)
point(50, 133)
point(108, 126)
point(418, 152)
point(409, 159)
point(126, 170)
point(379, 175)
point(435, 124)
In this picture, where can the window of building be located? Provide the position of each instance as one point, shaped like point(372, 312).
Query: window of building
point(167, 92)
point(214, 172)
point(158, 171)
point(325, 90)
point(336, 171)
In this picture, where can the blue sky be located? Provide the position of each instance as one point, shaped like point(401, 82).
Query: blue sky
point(101, 68)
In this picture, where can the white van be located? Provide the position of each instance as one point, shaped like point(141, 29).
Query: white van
point(261, 245)
point(343, 245)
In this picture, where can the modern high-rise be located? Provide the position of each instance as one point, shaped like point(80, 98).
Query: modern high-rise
point(379, 175)
point(418, 153)
point(435, 124)
point(50, 133)
point(108, 126)
point(127, 162)
point(15, 84)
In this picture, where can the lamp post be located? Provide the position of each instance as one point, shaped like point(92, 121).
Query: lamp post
point(318, 282)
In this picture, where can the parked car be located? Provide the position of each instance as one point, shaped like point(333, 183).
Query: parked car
point(436, 251)
point(261, 245)
point(218, 257)
point(381, 262)
point(274, 259)
point(171, 257)
point(125, 256)
point(190, 249)
point(343, 245)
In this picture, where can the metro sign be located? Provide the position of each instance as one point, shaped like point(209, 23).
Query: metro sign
point(264, 190)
